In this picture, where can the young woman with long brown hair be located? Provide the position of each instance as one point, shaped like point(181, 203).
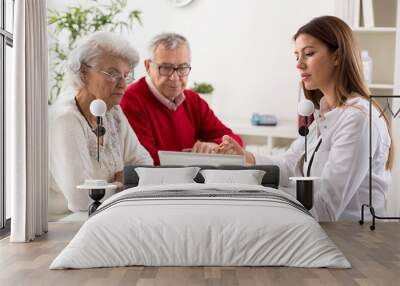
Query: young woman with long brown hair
point(329, 64)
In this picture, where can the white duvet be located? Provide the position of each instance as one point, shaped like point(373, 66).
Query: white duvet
point(200, 231)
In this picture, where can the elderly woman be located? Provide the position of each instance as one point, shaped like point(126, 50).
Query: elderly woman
point(99, 68)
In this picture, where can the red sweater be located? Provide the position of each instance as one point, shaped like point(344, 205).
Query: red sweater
point(159, 128)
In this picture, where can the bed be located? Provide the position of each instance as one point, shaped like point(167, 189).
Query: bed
point(201, 224)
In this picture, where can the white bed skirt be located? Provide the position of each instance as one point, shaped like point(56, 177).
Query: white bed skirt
point(200, 232)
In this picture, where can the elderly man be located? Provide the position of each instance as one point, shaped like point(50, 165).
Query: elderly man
point(165, 115)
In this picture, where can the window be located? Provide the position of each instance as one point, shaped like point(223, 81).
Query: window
point(9, 15)
point(6, 44)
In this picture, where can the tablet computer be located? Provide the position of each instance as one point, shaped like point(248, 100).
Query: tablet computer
point(189, 159)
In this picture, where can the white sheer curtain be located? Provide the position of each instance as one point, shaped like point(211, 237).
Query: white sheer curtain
point(27, 123)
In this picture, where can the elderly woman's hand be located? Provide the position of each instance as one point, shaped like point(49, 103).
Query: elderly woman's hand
point(118, 180)
point(202, 147)
point(231, 147)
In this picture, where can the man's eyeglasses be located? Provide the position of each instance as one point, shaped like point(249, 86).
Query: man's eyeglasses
point(168, 70)
point(116, 77)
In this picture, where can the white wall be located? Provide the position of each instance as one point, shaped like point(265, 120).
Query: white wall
point(242, 47)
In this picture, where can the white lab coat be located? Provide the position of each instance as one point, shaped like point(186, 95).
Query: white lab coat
point(341, 162)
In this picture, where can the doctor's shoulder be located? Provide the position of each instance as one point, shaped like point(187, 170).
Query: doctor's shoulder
point(359, 104)
point(379, 125)
point(353, 117)
point(356, 108)
point(357, 113)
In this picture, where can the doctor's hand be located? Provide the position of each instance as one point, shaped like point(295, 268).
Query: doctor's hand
point(202, 147)
point(230, 146)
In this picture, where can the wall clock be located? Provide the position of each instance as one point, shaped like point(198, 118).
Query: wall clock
point(179, 3)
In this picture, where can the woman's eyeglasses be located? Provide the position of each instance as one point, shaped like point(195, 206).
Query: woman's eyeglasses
point(116, 77)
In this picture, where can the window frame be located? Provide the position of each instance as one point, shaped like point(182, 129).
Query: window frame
point(6, 39)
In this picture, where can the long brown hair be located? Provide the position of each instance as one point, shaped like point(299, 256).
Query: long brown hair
point(339, 38)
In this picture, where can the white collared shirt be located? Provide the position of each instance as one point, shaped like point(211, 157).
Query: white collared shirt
point(341, 162)
point(172, 105)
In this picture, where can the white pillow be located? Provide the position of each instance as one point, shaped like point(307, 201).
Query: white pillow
point(248, 177)
point(166, 176)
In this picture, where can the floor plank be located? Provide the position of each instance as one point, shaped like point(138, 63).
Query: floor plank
point(374, 255)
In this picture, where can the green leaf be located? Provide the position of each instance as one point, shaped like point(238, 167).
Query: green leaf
point(202, 87)
point(52, 19)
point(136, 15)
point(75, 22)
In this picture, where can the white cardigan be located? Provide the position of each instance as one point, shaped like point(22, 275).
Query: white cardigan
point(73, 151)
point(342, 161)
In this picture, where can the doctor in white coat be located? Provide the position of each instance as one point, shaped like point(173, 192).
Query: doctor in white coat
point(329, 64)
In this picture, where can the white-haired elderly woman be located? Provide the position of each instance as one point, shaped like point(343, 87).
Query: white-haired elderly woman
point(99, 68)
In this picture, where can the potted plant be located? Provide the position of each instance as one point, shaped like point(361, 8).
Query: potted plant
point(69, 25)
point(205, 90)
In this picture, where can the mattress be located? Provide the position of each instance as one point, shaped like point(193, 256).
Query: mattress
point(201, 225)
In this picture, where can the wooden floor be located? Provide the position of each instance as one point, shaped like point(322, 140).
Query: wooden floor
point(374, 255)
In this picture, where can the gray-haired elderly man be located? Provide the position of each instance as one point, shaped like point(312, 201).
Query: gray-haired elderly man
point(165, 115)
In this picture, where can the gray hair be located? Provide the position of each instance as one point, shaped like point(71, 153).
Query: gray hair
point(170, 41)
point(99, 44)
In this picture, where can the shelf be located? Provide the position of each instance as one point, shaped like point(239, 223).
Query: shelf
point(375, 30)
point(267, 140)
point(380, 86)
point(284, 129)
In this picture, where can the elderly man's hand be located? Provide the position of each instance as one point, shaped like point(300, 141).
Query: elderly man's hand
point(202, 147)
point(230, 146)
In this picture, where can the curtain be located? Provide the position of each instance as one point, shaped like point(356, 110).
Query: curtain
point(27, 123)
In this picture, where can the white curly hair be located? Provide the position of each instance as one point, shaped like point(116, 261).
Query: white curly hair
point(96, 45)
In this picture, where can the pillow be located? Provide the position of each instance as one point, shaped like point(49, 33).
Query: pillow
point(166, 176)
point(270, 179)
point(248, 177)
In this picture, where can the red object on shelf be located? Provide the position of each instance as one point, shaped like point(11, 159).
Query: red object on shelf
point(300, 120)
